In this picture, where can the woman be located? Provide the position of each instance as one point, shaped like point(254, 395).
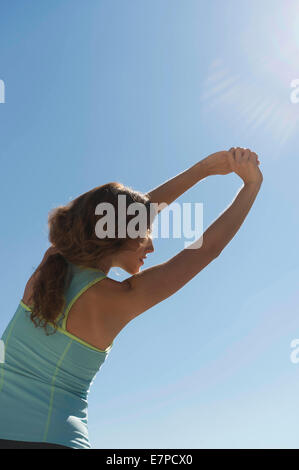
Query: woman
point(67, 320)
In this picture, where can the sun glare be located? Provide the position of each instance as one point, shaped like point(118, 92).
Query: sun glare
point(256, 98)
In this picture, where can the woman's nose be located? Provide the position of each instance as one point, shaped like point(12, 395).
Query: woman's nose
point(150, 247)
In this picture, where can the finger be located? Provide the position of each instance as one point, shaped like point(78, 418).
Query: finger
point(232, 152)
point(242, 150)
point(231, 160)
point(238, 154)
point(246, 154)
point(253, 158)
point(256, 156)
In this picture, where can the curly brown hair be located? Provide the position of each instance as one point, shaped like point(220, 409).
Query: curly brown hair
point(72, 234)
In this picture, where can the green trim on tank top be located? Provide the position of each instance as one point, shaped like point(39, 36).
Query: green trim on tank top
point(53, 389)
point(82, 268)
point(70, 335)
point(91, 283)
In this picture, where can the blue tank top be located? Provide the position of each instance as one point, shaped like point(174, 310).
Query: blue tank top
point(45, 380)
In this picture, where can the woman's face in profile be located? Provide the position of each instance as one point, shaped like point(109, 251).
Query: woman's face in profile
point(134, 252)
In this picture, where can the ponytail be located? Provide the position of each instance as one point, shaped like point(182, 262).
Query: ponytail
point(48, 291)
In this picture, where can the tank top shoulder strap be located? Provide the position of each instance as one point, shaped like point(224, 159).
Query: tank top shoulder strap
point(78, 280)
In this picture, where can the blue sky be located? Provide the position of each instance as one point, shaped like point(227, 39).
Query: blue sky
point(137, 91)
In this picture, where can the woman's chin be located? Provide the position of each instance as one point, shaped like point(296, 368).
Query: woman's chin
point(134, 269)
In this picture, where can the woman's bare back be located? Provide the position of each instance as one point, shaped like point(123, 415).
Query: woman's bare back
point(87, 318)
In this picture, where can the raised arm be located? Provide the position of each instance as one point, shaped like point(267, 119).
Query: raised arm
point(215, 164)
point(124, 301)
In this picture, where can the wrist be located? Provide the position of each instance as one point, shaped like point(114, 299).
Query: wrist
point(206, 168)
point(253, 183)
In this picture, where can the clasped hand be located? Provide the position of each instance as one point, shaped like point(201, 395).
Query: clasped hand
point(237, 160)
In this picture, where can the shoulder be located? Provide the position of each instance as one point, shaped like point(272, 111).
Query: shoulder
point(108, 293)
point(108, 302)
point(107, 285)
